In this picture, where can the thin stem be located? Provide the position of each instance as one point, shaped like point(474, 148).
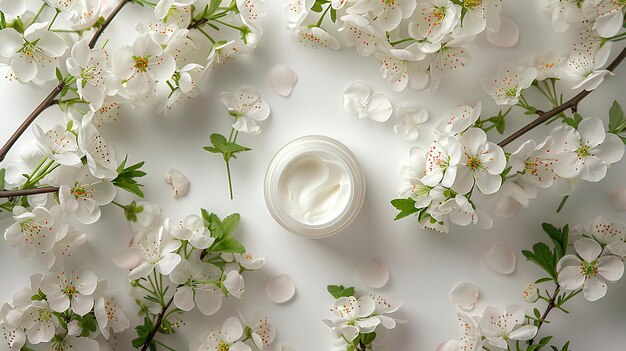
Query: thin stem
point(206, 35)
point(573, 102)
point(319, 22)
point(38, 13)
point(24, 192)
point(230, 182)
point(563, 201)
point(549, 307)
point(394, 43)
point(56, 14)
point(48, 101)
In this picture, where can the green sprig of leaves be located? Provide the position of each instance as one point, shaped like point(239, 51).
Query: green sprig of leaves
point(617, 121)
point(221, 230)
point(126, 177)
point(547, 258)
point(229, 150)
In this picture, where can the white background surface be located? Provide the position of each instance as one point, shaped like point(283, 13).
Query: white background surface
point(424, 265)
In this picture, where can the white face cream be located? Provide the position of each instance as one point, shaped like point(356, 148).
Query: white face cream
point(314, 186)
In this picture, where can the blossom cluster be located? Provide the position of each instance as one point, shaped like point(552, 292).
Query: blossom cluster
point(164, 62)
point(599, 252)
point(233, 336)
point(355, 320)
point(461, 161)
point(416, 42)
point(196, 259)
point(66, 309)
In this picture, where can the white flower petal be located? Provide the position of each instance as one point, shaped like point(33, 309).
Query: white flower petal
point(355, 96)
point(465, 295)
point(507, 36)
point(281, 79)
point(373, 273)
point(611, 268)
point(500, 258)
point(178, 182)
point(280, 288)
point(379, 108)
point(594, 289)
point(183, 298)
point(587, 249)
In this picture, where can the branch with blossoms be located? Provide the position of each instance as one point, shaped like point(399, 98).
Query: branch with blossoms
point(439, 182)
point(197, 263)
point(599, 251)
point(355, 320)
point(417, 42)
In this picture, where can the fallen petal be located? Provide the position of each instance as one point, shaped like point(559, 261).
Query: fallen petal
point(619, 199)
point(499, 258)
point(280, 288)
point(465, 295)
point(372, 273)
point(178, 182)
point(507, 36)
point(285, 347)
point(281, 79)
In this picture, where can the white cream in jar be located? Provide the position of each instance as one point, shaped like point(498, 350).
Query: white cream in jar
point(314, 186)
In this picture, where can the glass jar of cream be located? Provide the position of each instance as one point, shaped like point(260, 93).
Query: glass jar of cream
point(314, 186)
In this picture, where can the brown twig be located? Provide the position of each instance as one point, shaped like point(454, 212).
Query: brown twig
point(157, 325)
point(571, 103)
point(49, 100)
point(197, 23)
point(549, 307)
point(24, 192)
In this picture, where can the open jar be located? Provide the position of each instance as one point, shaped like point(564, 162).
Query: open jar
point(314, 186)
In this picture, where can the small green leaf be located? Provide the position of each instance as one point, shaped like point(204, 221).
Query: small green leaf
point(403, 204)
point(228, 244)
point(333, 15)
point(339, 291)
point(617, 121)
point(2, 175)
point(317, 7)
point(59, 74)
point(230, 223)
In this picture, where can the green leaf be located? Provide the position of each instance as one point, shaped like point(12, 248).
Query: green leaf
point(403, 204)
point(339, 291)
point(617, 121)
point(230, 223)
point(317, 7)
point(333, 15)
point(58, 74)
point(577, 118)
point(543, 257)
point(543, 280)
point(126, 177)
point(228, 244)
point(368, 338)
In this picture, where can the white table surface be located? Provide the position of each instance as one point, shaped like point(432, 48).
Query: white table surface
point(424, 265)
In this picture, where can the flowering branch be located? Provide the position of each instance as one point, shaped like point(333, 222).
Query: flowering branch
point(49, 100)
point(157, 325)
point(571, 103)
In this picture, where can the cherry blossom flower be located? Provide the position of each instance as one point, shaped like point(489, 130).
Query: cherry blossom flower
point(263, 333)
point(84, 14)
point(451, 56)
point(70, 290)
point(145, 59)
point(530, 293)
point(228, 338)
point(100, 156)
point(197, 286)
point(470, 340)
point(442, 160)
point(498, 326)
point(316, 37)
point(12, 333)
point(433, 19)
point(358, 98)
point(548, 64)
point(35, 55)
point(39, 321)
point(513, 194)
point(402, 71)
point(192, 229)
point(359, 34)
point(296, 12)
point(608, 15)
point(481, 15)
point(36, 230)
point(88, 66)
point(411, 116)
point(588, 151)
point(584, 68)
point(110, 316)
point(506, 87)
point(383, 308)
point(171, 9)
point(608, 234)
point(483, 162)
point(389, 14)
point(152, 251)
point(563, 13)
point(535, 162)
point(462, 212)
point(248, 108)
point(63, 248)
point(57, 144)
point(459, 120)
point(588, 269)
point(245, 261)
point(233, 283)
point(352, 317)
